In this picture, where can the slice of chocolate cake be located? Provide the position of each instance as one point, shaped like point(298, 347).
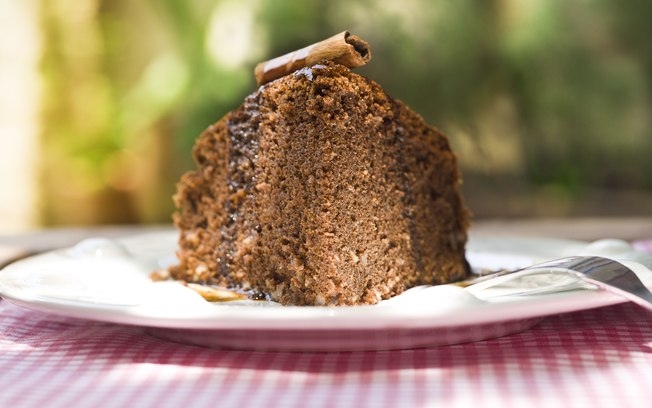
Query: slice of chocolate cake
point(322, 190)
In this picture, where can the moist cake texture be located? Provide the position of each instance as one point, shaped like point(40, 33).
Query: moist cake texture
point(321, 190)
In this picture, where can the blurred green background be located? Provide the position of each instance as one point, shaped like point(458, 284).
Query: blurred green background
point(548, 103)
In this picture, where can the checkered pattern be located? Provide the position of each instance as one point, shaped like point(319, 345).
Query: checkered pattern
point(594, 358)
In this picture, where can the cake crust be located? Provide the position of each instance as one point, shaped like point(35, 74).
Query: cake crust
point(322, 190)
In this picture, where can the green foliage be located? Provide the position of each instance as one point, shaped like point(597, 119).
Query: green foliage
point(559, 91)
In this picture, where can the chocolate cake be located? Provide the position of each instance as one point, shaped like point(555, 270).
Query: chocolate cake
point(321, 190)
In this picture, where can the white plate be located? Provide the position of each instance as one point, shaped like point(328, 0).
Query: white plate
point(108, 280)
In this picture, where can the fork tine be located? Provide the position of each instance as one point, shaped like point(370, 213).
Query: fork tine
point(607, 274)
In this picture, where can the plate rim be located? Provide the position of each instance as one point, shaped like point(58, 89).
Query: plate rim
point(230, 317)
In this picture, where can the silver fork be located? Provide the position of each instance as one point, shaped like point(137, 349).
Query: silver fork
point(606, 274)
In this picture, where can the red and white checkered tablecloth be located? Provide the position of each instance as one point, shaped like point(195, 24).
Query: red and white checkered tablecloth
point(597, 358)
point(592, 358)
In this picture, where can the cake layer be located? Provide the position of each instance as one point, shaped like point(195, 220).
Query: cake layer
point(322, 190)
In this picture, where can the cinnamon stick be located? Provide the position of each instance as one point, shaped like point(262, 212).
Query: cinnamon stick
point(343, 48)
